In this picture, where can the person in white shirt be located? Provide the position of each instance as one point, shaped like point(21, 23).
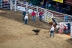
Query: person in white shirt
point(52, 31)
point(26, 19)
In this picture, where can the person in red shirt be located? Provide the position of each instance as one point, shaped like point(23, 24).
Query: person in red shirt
point(40, 15)
point(65, 29)
point(33, 14)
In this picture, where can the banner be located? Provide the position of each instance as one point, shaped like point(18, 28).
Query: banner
point(20, 8)
point(48, 19)
point(48, 16)
point(30, 10)
point(61, 1)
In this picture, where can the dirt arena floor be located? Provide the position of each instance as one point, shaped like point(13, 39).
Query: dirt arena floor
point(15, 34)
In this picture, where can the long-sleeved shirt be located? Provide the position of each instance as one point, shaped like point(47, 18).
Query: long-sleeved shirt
point(52, 29)
point(40, 13)
point(33, 14)
point(24, 13)
point(26, 17)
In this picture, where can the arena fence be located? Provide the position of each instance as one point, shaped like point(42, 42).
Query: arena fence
point(29, 9)
point(4, 4)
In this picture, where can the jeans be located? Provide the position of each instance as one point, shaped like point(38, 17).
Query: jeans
point(65, 31)
point(34, 18)
point(26, 20)
point(40, 18)
point(23, 17)
point(51, 33)
point(68, 30)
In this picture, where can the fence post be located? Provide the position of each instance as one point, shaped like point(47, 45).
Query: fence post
point(15, 5)
point(11, 4)
point(26, 7)
point(37, 11)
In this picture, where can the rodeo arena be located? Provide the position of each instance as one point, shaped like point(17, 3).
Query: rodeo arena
point(23, 25)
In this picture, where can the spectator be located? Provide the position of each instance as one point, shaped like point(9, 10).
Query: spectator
point(65, 29)
point(40, 15)
point(24, 13)
point(66, 18)
point(30, 4)
point(26, 19)
point(43, 6)
point(48, 5)
point(69, 25)
point(33, 16)
point(52, 31)
point(58, 9)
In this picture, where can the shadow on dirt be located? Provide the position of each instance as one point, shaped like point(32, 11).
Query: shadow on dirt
point(69, 41)
point(17, 16)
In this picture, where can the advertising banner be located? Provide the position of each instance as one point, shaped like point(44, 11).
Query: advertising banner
point(20, 8)
point(48, 16)
point(61, 1)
